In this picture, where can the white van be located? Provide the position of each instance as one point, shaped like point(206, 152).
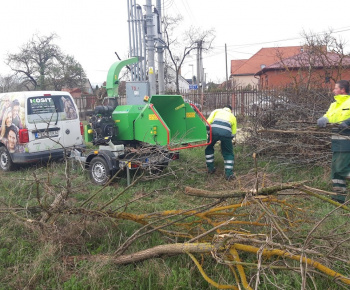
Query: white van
point(37, 126)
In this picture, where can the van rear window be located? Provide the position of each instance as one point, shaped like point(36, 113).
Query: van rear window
point(41, 105)
point(48, 108)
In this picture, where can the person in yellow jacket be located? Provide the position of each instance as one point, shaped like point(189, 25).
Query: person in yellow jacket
point(224, 127)
point(339, 113)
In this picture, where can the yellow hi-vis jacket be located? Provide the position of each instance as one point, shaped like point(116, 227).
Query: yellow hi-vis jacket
point(339, 110)
point(223, 122)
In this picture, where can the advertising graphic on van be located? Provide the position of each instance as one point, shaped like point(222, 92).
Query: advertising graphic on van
point(40, 109)
point(11, 120)
point(48, 108)
point(69, 108)
point(37, 126)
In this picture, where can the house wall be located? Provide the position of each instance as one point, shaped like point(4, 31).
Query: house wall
point(275, 78)
point(76, 94)
point(171, 86)
point(245, 80)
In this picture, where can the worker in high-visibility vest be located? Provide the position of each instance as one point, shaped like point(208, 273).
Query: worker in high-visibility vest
point(339, 113)
point(224, 127)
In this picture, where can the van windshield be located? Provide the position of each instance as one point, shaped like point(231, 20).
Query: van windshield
point(50, 108)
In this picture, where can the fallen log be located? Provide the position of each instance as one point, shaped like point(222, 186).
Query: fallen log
point(186, 248)
point(295, 132)
point(171, 249)
point(272, 190)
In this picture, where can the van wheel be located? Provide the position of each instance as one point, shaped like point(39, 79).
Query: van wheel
point(6, 163)
point(99, 171)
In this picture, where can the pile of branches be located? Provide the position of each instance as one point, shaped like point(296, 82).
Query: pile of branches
point(287, 127)
point(254, 233)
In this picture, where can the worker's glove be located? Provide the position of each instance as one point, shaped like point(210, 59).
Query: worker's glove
point(344, 125)
point(322, 122)
point(233, 136)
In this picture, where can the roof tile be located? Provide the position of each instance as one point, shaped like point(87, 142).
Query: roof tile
point(264, 57)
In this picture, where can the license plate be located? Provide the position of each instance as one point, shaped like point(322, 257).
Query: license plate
point(46, 134)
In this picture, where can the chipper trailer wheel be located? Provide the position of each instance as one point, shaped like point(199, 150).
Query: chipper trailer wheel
point(99, 171)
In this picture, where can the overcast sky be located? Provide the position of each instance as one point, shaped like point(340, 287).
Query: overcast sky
point(92, 31)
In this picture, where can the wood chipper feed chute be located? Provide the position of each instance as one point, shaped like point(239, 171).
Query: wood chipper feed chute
point(168, 120)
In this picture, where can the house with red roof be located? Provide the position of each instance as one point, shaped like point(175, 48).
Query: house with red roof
point(308, 69)
point(86, 89)
point(244, 71)
point(80, 95)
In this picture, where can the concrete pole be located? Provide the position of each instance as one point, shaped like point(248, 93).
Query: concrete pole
point(201, 66)
point(150, 48)
point(201, 74)
point(160, 51)
point(226, 67)
point(198, 63)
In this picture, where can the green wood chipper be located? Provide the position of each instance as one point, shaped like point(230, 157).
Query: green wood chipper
point(147, 132)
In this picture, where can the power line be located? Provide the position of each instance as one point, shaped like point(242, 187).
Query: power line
point(343, 29)
point(188, 10)
point(167, 4)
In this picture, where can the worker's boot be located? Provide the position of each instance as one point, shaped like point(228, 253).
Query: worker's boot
point(228, 163)
point(229, 170)
point(230, 177)
point(339, 198)
point(211, 170)
point(339, 188)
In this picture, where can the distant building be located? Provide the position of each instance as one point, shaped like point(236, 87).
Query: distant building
point(244, 71)
point(78, 93)
point(86, 89)
point(307, 69)
point(170, 84)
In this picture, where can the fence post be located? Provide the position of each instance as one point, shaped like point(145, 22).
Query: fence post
point(233, 102)
point(202, 97)
point(242, 102)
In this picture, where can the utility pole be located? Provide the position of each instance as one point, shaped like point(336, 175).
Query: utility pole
point(204, 82)
point(150, 48)
point(226, 67)
point(201, 66)
point(160, 50)
point(198, 79)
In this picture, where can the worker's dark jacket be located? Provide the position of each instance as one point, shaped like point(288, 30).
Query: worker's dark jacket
point(341, 140)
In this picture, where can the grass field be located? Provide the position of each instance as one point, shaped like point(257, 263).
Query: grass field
point(92, 221)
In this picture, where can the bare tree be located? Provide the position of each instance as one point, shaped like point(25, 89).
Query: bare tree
point(10, 83)
point(42, 65)
point(329, 52)
point(180, 48)
point(322, 60)
point(69, 73)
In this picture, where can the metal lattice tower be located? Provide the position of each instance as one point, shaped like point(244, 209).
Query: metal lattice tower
point(137, 40)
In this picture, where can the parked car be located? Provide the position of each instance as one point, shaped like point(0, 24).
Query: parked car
point(266, 103)
point(37, 126)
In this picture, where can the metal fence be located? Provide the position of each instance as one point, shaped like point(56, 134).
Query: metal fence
point(244, 102)
point(87, 103)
